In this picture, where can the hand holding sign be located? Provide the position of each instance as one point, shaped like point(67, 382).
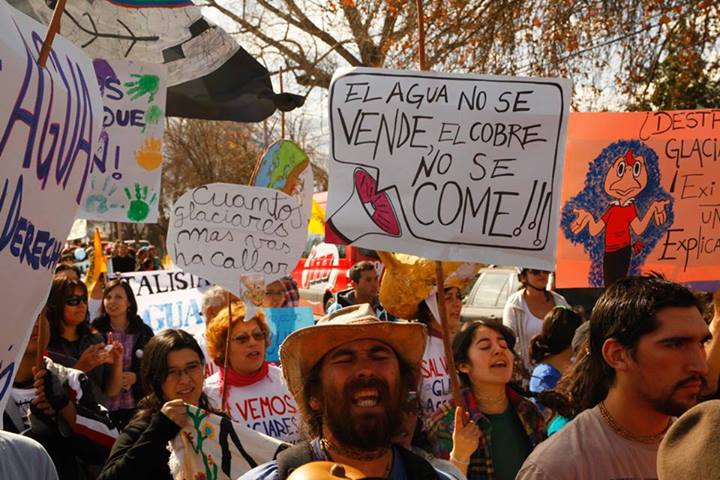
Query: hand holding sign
point(222, 232)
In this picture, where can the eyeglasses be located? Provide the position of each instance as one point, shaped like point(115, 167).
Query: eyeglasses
point(75, 300)
point(190, 370)
point(244, 338)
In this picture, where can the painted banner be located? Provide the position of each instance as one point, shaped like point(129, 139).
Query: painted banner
point(640, 195)
point(168, 298)
point(212, 447)
point(78, 230)
point(125, 178)
point(236, 235)
point(50, 120)
point(447, 166)
point(284, 321)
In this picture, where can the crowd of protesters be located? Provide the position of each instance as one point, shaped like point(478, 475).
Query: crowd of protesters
point(545, 394)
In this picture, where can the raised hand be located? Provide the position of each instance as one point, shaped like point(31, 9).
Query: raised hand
point(466, 436)
point(175, 410)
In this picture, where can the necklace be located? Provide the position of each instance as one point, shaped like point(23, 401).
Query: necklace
point(327, 445)
point(648, 439)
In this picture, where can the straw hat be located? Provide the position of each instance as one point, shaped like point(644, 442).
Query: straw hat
point(408, 280)
point(304, 348)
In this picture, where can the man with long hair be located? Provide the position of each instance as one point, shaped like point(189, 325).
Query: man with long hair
point(646, 364)
point(351, 376)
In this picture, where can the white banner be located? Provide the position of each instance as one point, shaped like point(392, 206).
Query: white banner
point(447, 166)
point(50, 119)
point(125, 178)
point(78, 229)
point(227, 233)
point(168, 298)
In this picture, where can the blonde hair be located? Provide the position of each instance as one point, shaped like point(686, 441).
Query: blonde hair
point(218, 329)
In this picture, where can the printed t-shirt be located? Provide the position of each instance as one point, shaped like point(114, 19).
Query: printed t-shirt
point(617, 226)
point(589, 448)
point(266, 406)
point(435, 388)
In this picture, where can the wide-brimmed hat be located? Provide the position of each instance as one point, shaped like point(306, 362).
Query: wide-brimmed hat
point(408, 280)
point(304, 348)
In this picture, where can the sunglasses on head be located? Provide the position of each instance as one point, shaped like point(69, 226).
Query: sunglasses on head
point(537, 272)
point(74, 300)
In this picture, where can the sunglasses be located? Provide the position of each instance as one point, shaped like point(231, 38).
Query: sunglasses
point(537, 272)
point(244, 338)
point(75, 300)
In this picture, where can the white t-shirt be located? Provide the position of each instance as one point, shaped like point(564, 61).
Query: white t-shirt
point(266, 406)
point(435, 387)
point(589, 448)
point(198, 331)
point(534, 324)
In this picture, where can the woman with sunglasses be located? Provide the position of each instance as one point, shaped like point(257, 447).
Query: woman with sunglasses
point(255, 393)
point(119, 320)
point(525, 309)
point(74, 343)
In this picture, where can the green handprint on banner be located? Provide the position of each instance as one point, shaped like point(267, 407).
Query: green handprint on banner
point(153, 115)
point(143, 85)
point(140, 206)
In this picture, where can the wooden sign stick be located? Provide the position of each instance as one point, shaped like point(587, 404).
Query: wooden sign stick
point(53, 29)
point(223, 391)
point(41, 340)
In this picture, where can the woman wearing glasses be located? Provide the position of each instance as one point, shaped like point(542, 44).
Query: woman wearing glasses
point(172, 372)
point(119, 320)
point(74, 343)
point(255, 393)
point(525, 310)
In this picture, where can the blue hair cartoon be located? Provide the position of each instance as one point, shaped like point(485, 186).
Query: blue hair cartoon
point(621, 212)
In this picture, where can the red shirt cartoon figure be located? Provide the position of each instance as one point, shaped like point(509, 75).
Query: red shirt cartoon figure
point(624, 180)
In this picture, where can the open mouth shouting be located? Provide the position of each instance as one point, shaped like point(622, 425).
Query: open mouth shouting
point(366, 398)
point(501, 364)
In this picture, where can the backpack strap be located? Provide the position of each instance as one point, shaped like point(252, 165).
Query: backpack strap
point(292, 458)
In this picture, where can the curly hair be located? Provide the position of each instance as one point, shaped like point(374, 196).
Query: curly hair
point(217, 330)
point(594, 199)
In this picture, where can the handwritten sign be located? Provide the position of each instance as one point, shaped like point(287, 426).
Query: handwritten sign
point(224, 232)
point(49, 125)
point(640, 194)
point(284, 321)
point(125, 177)
point(168, 298)
point(447, 166)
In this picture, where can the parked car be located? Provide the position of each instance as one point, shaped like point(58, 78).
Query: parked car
point(489, 293)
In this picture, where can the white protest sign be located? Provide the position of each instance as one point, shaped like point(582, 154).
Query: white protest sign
point(168, 298)
point(78, 229)
point(49, 124)
point(447, 166)
point(125, 178)
point(226, 233)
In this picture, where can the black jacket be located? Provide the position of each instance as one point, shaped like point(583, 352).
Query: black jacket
point(144, 334)
point(141, 450)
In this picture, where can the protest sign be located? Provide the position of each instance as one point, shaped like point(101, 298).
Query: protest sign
point(168, 298)
point(230, 234)
point(78, 230)
point(447, 166)
point(125, 177)
point(216, 448)
point(49, 124)
point(286, 167)
point(640, 195)
point(284, 321)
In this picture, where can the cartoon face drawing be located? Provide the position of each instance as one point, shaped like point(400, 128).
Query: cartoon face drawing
point(621, 212)
point(627, 177)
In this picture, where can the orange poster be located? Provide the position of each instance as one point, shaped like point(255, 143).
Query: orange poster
point(641, 194)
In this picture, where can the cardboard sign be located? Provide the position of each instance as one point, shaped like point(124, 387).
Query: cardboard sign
point(168, 298)
point(447, 166)
point(49, 124)
point(229, 233)
point(125, 178)
point(640, 195)
point(282, 322)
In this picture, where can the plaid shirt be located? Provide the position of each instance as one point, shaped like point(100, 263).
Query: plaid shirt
point(292, 296)
point(481, 462)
